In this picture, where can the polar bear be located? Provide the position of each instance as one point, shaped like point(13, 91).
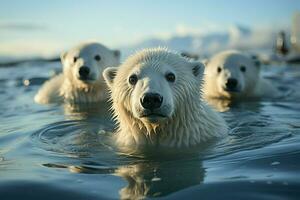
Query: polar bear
point(81, 80)
point(157, 101)
point(234, 75)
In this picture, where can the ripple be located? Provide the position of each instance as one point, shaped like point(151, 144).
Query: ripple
point(250, 132)
point(72, 138)
point(82, 168)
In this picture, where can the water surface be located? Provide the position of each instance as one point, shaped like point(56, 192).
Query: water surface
point(63, 152)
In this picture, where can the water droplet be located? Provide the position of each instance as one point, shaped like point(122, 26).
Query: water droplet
point(26, 82)
point(155, 179)
point(275, 163)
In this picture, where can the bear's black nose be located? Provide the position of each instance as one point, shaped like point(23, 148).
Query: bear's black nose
point(84, 71)
point(151, 101)
point(231, 83)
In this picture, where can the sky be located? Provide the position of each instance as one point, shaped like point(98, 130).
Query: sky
point(35, 27)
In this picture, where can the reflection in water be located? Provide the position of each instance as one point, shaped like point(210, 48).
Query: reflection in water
point(154, 179)
point(81, 169)
point(149, 178)
point(220, 105)
point(223, 105)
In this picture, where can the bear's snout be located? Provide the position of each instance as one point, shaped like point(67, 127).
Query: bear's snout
point(84, 72)
point(151, 101)
point(231, 84)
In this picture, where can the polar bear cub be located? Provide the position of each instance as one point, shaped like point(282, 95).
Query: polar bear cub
point(157, 101)
point(234, 75)
point(81, 80)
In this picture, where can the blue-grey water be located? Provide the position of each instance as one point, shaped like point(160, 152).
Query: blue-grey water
point(63, 152)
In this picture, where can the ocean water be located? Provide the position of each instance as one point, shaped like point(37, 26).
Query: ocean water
point(63, 152)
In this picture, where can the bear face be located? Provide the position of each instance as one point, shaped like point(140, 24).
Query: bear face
point(231, 74)
point(81, 80)
point(151, 88)
point(152, 91)
point(157, 100)
point(84, 64)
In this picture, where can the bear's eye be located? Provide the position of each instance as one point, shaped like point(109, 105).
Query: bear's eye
point(243, 68)
point(97, 58)
point(219, 69)
point(133, 79)
point(170, 77)
point(75, 59)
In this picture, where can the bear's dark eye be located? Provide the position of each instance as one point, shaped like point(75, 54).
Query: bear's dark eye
point(170, 77)
point(75, 59)
point(219, 69)
point(243, 68)
point(133, 79)
point(97, 57)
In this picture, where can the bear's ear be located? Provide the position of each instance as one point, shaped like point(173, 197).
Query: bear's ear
point(109, 75)
point(63, 56)
point(205, 62)
point(117, 53)
point(197, 69)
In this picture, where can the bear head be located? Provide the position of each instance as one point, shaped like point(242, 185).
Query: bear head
point(231, 74)
point(84, 64)
point(152, 87)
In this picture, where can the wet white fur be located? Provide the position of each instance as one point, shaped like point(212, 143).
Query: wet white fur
point(191, 121)
point(66, 87)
